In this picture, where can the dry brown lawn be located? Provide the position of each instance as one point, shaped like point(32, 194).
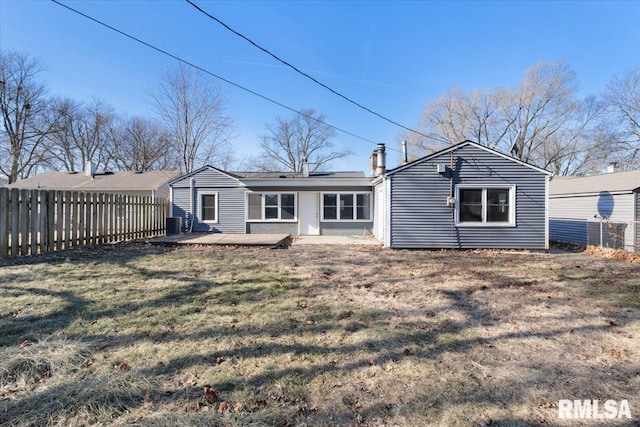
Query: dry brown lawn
point(314, 335)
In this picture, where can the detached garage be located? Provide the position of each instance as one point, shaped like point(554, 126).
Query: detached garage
point(601, 210)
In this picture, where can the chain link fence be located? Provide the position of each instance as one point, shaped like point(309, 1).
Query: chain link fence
point(603, 233)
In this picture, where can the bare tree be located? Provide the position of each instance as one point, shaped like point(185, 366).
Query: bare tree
point(83, 133)
point(290, 141)
point(26, 116)
point(622, 97)
point(193, 110)
point(541, 121)
point(143, 145)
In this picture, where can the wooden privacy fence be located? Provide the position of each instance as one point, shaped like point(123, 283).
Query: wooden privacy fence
point(38, 221)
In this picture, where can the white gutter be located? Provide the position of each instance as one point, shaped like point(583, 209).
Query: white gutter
point(192, 196)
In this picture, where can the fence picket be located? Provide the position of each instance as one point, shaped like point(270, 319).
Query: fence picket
point(4, 221)
point(67, 218)
point(23, 211)
point(33, 216)
point(38, 221)
point(59, 219)
point(15, 216)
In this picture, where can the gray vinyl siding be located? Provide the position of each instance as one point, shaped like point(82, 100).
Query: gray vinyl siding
point(420, 217)
point(616, 207)
point(346, 228)
point(568, 231)
point(231, 210)
point(577, 219)
point(181, 204)
point(272, 228)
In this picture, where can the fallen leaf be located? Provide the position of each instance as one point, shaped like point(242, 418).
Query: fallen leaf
point(223, 407)
point(210, 393)
point(124, 367)
point(615, 353)
point(238, 407)
point(25, 343)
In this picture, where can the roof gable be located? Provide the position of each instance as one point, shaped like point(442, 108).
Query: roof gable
point(464, 144)
point(202, 169)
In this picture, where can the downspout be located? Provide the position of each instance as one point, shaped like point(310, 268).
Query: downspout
point(546, 212)
point(453, 207)
point(192, 184)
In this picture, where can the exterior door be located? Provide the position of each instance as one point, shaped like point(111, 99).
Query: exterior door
point(309, 215)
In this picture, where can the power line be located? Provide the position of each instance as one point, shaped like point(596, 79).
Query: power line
point(297, 70)
point(184, 61)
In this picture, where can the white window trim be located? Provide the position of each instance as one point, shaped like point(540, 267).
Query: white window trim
point(208, 193)
point(355, 206)
point(484, 223)
point(262, 206)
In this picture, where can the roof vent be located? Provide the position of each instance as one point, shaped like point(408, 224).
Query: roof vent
point(612, 167)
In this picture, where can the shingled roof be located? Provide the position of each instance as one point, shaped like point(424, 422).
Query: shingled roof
point(269, 175)
point(616, 182)
point(101, 181)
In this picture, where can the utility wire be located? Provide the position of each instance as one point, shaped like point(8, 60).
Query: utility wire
point(184, 61)
point(313, 79)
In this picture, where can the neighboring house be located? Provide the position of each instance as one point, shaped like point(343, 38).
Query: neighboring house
point(599, 210)
point(152, 183)
point(467, 196)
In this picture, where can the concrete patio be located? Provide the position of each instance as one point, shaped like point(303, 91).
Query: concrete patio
point(334, 240)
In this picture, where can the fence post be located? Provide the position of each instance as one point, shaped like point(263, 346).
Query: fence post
point(51, 219)
point(24, 222)
point(4, 221)
point(59, 217)
point(88, 212)
point(42, 220)
point(67, 219)
point(15, 220)
point(34, 204)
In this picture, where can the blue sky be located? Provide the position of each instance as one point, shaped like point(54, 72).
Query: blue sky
point(392, 57)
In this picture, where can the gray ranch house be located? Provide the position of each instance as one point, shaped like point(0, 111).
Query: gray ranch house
point(466, 196)
point(327, 203)
point(602, 210)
